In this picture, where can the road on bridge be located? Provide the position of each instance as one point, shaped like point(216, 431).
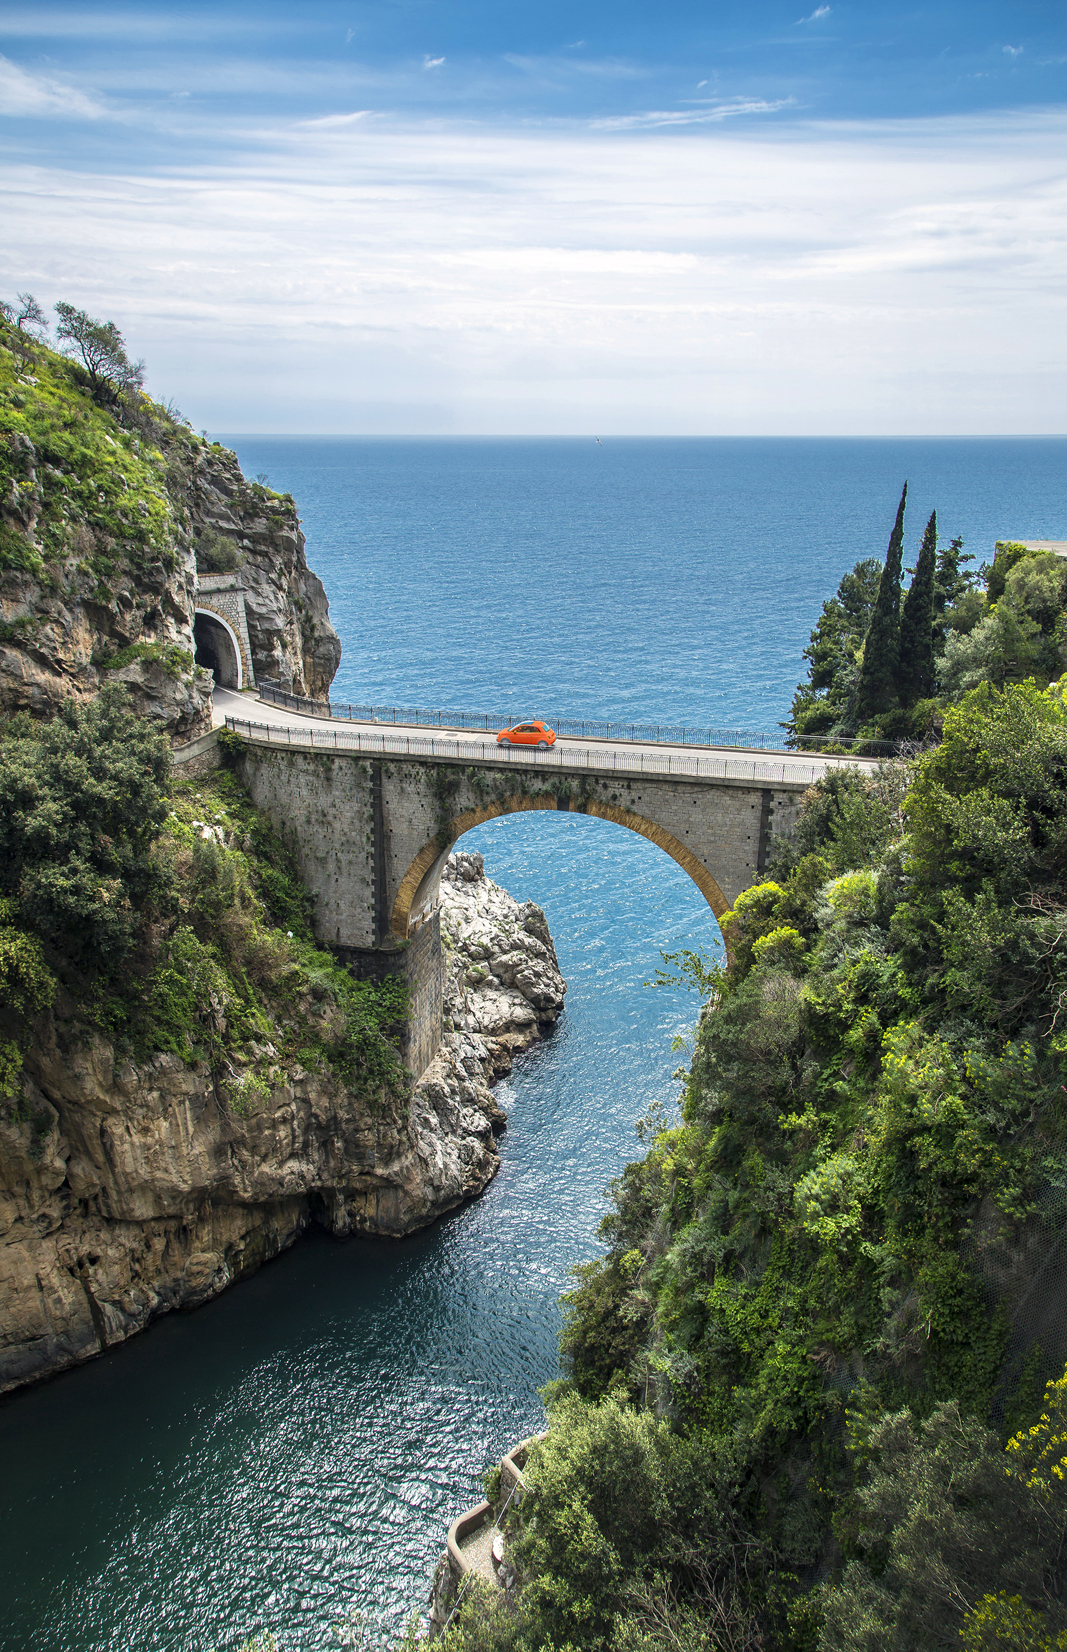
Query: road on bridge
point(796, 768)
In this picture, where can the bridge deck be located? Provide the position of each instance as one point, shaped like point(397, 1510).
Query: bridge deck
point(275, 725)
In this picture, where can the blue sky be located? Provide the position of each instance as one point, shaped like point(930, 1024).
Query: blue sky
point(443, 216)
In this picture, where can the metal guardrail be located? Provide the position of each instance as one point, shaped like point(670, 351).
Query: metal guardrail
point(573, 728)
point(792, 770)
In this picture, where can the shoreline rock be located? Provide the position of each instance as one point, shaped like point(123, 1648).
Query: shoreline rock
point(129, 1189)
point(503, 986)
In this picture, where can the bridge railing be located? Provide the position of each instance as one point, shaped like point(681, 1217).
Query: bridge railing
point(664, 734)
point(726, 767)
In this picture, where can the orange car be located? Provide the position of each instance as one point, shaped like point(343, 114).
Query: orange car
point(527, 734)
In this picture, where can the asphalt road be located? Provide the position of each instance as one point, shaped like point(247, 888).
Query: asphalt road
point(703, 762)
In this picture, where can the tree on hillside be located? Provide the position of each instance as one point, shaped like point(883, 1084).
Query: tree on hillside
point(102, 349)
point(881, 655)
point(27, 321)
point(951, 584)
point(29, 317)
point(915, 674)
point(820, 704)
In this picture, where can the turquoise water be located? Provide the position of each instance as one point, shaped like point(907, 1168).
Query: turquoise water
point(297, 1447)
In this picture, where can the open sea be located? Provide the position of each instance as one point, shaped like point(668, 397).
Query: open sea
point(296, 1449)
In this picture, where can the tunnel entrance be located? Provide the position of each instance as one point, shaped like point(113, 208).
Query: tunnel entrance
point(217, 650)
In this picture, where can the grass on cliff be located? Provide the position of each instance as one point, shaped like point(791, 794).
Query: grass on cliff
point(110, 477)
point(103, 502)
point(169, 915)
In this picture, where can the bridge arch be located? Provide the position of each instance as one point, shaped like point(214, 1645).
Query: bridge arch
point(419, 882)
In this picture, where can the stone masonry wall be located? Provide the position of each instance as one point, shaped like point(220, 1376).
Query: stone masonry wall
point(371, 836)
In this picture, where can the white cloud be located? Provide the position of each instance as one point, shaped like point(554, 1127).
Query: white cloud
point(328, 121)
point(432, 62)
point(820, 11)
point(38, 96)
point(702, 113)
point(364, 274)
point(1014, 51)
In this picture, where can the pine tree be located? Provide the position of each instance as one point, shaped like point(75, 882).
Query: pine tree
point(822, 702)
point(951, 583)
point(877, 690)
point(915, 674)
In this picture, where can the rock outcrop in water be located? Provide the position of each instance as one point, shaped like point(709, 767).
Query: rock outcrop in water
point(502, 986)
point(130, 1188)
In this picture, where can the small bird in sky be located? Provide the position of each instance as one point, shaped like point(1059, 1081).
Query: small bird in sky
point(599, 443)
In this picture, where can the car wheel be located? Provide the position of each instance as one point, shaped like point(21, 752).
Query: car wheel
point(542, 745)
point(503, 742)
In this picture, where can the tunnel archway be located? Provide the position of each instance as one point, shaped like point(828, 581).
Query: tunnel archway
point(419, 884)
point(217, 649)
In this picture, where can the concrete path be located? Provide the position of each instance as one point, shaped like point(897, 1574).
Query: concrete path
point(477, 1551)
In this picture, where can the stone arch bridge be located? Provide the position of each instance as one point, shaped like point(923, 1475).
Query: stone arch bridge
point(372, 818)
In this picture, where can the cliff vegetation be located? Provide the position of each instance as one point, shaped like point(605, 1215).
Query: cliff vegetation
point(110, 506)
point(813, 1392)
point(185, 1078)
point(884, 663)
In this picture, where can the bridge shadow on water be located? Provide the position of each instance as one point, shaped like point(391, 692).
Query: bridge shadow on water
point(298, 1446)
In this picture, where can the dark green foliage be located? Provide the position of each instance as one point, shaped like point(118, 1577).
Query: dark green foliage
point(1007, 555)
point(876, 692)
point(173, 913)
point(988, 855)
point(1013, 631)
point(630, 1537)
point(939, 1522)
point(951, 585)
point(822, 704)
point(27, 986)
point(915, 676)
point(881, 1061)
point(1021, 635)
point(82, 801)
point(215, 554)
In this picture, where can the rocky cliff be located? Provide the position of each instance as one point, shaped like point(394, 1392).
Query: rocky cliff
point(130, 1187)
point(105, 511)
point(178, 1102)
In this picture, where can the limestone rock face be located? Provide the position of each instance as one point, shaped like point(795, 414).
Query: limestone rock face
point(293, 642)
point(130, 1189)
point(98, 567)
point(59, 621)
point(503, 982)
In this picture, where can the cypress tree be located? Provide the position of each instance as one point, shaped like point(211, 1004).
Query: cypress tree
point(877, 689)
point(915, 676)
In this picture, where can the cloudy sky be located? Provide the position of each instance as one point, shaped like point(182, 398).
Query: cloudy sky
point(482, 216)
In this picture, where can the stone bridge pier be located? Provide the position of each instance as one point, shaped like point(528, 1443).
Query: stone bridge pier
point(371, 835)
